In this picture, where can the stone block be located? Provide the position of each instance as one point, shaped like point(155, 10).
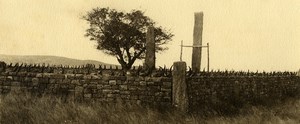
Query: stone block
point(6, 83)
point(72, 86)
point(79, 89)
point(157, 79)
point(58, 76)
point(88, 95)
point(75, 82)
point(78, 76)
point(2, 78)
point(153, 88)
point(12, 73)
point(150, 83)
point(39, 75)
point(158, 98)
point(110, 95)
point(16, 78)
point(35, 81)
point(123, 87)
point(141, 88)
point(110, 99)
point(22, 74)
point(116, 91)
point(104, 82)
point(44, 80)
point(166, 99)
point(134, 97)
point(136, 83)
point(9, 78)
point(85, 85)
point(166, 89)
point(107, 91)
point(106, 87)
point(119, 82)
point(167, 84)
point(132, 87)
point(101, 99)
point(143, 83)
point(158, 94)
point(121, 78)
point(51, 81)
point(99, 86)
point(139, 78)
point(68, 81)
point(87, 77)
point(6, 87)
point(59, 81)
point(70, 76)
point(167, 93)
point(125, 92)
point(105, 77)
point(125, 97)
point(130, 78)
point(148, 79)
point(114, 87)
point(92, 86)
point(166, 79)
point(100, 95)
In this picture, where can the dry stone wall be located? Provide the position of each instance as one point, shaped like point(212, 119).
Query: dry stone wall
point(223, 92)
point(80, 87)
point(217, 90)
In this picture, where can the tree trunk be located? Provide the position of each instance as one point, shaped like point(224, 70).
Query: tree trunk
point(126, 66)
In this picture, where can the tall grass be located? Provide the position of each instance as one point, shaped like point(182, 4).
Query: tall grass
point(25, 109)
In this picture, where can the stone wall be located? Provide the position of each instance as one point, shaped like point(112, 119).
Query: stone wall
point(85, 87)
point(216, 90)
point(223, 92)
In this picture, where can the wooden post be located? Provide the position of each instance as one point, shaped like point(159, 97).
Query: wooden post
point(197, 41)
point(181, 50)
point(207, 57)
point(179, 88)
point(150, 49)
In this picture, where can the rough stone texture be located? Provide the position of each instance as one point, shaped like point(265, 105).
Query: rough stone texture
point(197, 41)
point(150, 49)
point(180, 99)
point(140, 90)
point(204, 90)
point(235, 91)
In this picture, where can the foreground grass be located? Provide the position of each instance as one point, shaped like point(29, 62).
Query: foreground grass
point(17, 109)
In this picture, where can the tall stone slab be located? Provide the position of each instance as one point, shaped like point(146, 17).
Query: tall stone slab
point(179, 87)
point(150, 48)
point(197, 41)
point(2, 66)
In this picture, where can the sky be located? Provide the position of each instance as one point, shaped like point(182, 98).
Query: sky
point(261, 35)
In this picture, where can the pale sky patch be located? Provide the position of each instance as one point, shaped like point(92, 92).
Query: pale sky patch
point(243, 34)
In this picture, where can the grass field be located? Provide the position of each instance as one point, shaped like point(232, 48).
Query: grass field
point(22, 109)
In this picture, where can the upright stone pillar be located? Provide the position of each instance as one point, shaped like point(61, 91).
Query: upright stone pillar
point(2, 66)
point(150, 48)
point(197, 41)
point(179, 87)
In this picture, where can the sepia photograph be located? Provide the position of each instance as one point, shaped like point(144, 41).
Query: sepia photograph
point(149, 62)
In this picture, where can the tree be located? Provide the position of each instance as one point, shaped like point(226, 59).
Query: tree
point(123, 35)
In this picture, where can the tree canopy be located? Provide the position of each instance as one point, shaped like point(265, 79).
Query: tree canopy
point(123, 35)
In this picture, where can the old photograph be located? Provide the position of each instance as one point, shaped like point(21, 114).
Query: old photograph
point(149, 62)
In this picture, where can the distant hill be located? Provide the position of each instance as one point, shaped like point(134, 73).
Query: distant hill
point(51, 60)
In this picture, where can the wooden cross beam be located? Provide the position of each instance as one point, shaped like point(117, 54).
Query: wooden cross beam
point(198, 46)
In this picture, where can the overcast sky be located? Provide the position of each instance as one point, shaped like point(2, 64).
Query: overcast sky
point(243, 34)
